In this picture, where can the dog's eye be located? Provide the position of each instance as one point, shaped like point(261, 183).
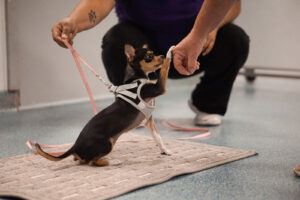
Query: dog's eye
point(148, 57)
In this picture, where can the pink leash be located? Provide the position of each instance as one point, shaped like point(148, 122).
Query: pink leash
point(76, 56)
point(164, 123)
point(175, 127)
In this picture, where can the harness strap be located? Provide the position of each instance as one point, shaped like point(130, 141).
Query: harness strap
point(134, 98)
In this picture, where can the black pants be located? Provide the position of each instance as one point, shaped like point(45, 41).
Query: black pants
point(220, 66)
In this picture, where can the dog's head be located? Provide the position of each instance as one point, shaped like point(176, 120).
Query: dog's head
point(142, 60)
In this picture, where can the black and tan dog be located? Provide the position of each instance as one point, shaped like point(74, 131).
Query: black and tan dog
point(101, 133)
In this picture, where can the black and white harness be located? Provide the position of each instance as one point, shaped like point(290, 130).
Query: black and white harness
point(131, 93)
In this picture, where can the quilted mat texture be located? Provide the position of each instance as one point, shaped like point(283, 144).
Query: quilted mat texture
point(134, 164)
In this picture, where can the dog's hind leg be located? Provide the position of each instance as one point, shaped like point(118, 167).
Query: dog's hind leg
point(154, 132)
point(104, 148)
point(77, 158)
point(99, 162)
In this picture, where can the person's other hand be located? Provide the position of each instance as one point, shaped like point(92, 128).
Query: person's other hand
point(185, 54)
point(65, 29)
point(210, 42)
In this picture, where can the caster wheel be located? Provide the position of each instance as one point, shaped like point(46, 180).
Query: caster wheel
point(250, 75)
point(250, 78)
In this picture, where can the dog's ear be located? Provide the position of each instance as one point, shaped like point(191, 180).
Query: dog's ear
point(145, 46)
point(129, 52)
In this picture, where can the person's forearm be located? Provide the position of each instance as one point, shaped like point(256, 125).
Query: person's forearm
point(88, 13)
point(210, 16)
point(232, 14)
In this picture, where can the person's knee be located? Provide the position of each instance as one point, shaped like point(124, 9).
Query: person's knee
point(241, 44)
point(239, 41)
point(113, 42)
point(113, 56)
point(125, 32)
point(114, 35)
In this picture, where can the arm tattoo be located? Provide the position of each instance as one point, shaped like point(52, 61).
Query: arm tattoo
point(92, 16)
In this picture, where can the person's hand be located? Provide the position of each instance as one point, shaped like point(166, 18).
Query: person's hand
point(185, 54)
point(210, 42)
point(65, 29)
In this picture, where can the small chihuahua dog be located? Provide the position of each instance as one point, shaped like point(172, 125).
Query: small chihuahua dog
point(100, 134)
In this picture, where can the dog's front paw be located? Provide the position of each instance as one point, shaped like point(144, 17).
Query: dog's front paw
point(166, 152)
point(169, 53)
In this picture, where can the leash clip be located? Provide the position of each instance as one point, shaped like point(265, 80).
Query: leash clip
point(112, 88)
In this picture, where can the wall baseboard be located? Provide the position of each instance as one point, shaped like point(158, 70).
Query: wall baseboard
point(9, 100)
point(65, 102)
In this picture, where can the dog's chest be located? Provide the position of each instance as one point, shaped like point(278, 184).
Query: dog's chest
point(143, 123)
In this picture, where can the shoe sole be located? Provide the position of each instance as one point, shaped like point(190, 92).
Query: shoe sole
point(195, 110)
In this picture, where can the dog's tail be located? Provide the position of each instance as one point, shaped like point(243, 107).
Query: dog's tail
point(50, 157)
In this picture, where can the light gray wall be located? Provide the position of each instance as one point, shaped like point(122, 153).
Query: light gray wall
point(274, 29)
point(43, 71)
point(46, 73)
point(3, 56)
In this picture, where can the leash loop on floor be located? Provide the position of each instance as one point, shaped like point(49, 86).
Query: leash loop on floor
point(205, 132)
